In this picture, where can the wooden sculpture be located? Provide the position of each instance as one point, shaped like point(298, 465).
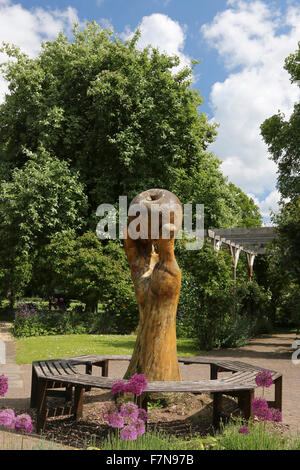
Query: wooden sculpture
point(156, 278)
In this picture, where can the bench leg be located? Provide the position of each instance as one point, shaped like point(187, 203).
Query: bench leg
point(41, 405)
point(78, 401)
point(245, 401)
point(68, 393)
point(213, 372)
point(278, 393)
point(142, 401)
point(217, 405)
point(88, 371)
point(34, 387)
point(105, 368)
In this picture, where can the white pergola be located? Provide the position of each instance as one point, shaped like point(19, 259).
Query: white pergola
point(251, 241)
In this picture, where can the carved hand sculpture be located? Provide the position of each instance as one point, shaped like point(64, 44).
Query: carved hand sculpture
point(157, 278)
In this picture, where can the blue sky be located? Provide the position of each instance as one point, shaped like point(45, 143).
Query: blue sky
point(240, 44)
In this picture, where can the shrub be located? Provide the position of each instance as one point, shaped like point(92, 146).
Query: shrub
point(38, 322)
point(213, 308)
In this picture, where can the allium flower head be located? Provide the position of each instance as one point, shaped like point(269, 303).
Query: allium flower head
point(24, 423)
point(275, 415)
point(118, 387)
point(244, 430)
point(259, 405)
point(264, 414)
point(3, 385)
point(7, 418)
point(139, 425)
point(115, 420)
point(137, 384)
point(129, 410)
point(264, 379)
point(129, 432)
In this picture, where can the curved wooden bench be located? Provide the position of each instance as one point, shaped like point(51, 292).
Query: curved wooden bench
point(50, 376)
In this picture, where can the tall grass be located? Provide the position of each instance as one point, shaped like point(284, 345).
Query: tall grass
point(228, 438)
point(260, 437)
point(149, 441)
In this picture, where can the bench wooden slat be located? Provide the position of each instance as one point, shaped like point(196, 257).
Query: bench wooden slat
point(44, 369)
point(241, 377)
point(51, 368)
point(208, 386)
point(59, 367)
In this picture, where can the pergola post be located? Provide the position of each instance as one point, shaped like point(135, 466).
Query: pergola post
point(250, 259)
point(235, 253)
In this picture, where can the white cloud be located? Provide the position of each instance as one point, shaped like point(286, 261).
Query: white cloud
point(28, 28)
point(163, 33)
point(252, 41)
point(270, 203)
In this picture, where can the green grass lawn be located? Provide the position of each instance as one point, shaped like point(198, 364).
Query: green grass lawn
point(51, 347)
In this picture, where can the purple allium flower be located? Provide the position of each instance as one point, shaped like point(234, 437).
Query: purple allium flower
point(56, 299)
point(139, 425)
point(264, 379)
point(23, 423)
point(275, 415)
point(129, 410)
point(129, 432)
point(244, 430)
point(7, 418)
point(118, 387)
point(3, 385)
point(115, 420)
point(61, 299)
point(259, 405)
point(143, 415)
point(137, 384)
point(264, 415)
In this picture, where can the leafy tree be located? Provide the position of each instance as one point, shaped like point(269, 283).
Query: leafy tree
point(41, 198)
point(84, 268)
point(288, 242)
point(247, 212)
point(116, 114)
point(208, 294)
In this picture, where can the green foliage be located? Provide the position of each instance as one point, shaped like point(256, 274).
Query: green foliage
point(41, 198)
point(260, 437)
point(91, 271)
point(31, 320)
point(119, 116)
point(214, 309)
point(247, 212)
point(228, 438)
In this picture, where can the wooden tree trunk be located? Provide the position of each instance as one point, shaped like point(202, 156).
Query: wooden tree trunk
point(157, 278)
